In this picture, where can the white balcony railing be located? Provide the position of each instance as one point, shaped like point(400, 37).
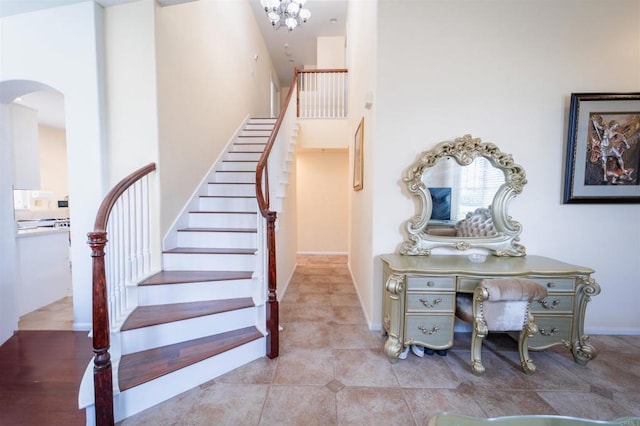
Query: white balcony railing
point(322, 93)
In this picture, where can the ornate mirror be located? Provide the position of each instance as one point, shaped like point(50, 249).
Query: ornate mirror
point(463, 189)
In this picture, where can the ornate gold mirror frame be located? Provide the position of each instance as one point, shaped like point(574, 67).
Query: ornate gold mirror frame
point(504, 237)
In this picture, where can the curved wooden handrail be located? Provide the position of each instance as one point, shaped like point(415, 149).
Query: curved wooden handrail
point(102, 379)
point(110, 199)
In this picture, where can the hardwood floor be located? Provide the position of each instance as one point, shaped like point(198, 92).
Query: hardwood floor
point(40, 373)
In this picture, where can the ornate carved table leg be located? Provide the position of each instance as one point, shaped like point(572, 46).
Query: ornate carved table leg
point(582, 351)
point(393, 316)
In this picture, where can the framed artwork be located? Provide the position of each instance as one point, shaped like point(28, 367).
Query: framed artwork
point(603, 149)
point(358, 156)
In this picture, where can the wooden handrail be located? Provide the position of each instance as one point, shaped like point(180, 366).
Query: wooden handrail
point(102, 380)
point(273, 347)
point(323, 71)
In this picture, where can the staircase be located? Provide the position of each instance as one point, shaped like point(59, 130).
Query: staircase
point(203, 314)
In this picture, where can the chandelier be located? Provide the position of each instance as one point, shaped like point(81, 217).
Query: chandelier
point(286, 12)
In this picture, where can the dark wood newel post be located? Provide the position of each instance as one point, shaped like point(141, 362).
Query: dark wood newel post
point(273, 323)
point(102, 380)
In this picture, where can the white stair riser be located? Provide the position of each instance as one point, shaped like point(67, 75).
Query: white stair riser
point(218, 239)
point(223, 220)
point(263, 120)
point(247, 166)
point(223, 204)
point(266, 133)
point(233, 177)
point(243, 156)
point(259, 126)
point(145, 338)
point(194, 292)
point(139, 398)
point(208, 262)
point(244, 190)
point(249, 145)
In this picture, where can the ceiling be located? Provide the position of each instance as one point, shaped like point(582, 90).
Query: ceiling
point(298, 48)
point(288, 50)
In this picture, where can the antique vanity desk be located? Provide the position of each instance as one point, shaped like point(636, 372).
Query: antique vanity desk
point(463, 189)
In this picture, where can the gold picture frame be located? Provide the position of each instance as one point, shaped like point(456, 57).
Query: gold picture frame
point(358, 156)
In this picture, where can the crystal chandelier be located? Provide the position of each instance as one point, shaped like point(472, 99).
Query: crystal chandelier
point(286, 12)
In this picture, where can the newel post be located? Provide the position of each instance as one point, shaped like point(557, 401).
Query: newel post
point(273, 347)
point(102, 380)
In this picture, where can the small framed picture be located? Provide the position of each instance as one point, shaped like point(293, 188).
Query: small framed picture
point(603, 149)
point(358, 156)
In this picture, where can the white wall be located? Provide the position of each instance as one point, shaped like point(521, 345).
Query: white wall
point(331, 52)
point(8, 272)
point(208, 81)
point(53, 163)
point(61, 48)
point(361, 61)
point(323, 193)
point(503, 71)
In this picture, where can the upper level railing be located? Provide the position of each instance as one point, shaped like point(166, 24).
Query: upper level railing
point(124, 216)
point(322, 93)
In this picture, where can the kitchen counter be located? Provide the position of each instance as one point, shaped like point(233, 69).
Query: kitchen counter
point(30, 232)
point(43, 258)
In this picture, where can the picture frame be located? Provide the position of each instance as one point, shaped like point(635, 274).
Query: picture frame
point(603, 149)
point(358, 156)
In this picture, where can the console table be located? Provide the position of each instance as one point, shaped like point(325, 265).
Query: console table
point(419, 299)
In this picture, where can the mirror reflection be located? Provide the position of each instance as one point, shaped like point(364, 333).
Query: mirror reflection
point(457, 190)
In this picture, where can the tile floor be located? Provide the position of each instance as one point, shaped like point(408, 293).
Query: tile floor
point(332, 371)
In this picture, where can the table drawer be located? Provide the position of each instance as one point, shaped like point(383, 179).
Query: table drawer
point(551, 330)
point(419, 282)
point(557, 303)
point(467, 285)
point(430, 302)
point(556, 284)
point(433, 331)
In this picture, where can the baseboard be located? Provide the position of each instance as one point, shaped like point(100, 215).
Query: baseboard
point(322, 253)
point(612, 331)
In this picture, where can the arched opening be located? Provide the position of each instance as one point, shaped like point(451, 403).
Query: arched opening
point(35, 207)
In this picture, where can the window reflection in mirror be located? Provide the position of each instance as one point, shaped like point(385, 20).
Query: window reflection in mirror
point(463, 188)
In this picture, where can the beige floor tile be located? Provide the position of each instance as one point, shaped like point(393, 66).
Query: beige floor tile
point(349, 315)
point(306, 335)
point(363, 367)
point(373, 406)
point(305, 367)
point(425, 403)
point(219, 404)
point(350, 336)
point(299, 406)
point(510, 402)
point(431, 371)
point(259, 371)
point(585, 405)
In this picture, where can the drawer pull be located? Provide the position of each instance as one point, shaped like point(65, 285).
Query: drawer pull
point(551, 332)
point(424, 330)
point(545, 304)
point(551, 284)
point(426, 303)
point(430, 283)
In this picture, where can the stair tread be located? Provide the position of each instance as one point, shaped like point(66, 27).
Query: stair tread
point(145, 316)
point(239, 230)
point(227, 196)
point(231, 183)
point(179, 277)
point(210, 250)
point(141, 367)
point(220, 212)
